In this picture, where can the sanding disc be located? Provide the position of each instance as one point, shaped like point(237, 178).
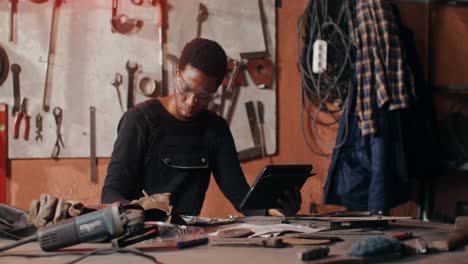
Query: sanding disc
point(4, 65)
point(305, 241)
point(235, 232)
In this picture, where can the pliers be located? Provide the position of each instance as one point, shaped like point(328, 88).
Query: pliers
point(19, 116)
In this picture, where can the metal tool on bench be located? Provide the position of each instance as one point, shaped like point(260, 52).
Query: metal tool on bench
point(108, 223)
point(271, 242)
point(58, 115)
point(19, 117)
point(122, 23)
point(50, 53)
point(116, 83)
point(16, 70)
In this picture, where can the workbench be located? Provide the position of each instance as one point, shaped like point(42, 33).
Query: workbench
point(207, 254)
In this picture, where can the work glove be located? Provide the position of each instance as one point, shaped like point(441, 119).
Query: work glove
point(159, 201)
point(50, 209)
point(157, 207)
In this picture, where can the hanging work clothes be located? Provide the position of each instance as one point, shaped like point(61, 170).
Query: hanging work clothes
point(368, 172)
point(382, 76)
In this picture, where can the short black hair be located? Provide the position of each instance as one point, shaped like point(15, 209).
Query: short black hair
point(205, 55)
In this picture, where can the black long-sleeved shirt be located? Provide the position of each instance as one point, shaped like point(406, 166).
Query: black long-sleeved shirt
point(156, 152)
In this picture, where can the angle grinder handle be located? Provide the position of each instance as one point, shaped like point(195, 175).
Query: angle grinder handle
point(101, 224)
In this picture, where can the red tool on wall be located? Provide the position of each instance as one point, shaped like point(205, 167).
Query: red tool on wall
point(19, 117)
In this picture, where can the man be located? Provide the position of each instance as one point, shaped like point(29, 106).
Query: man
point(172, 144)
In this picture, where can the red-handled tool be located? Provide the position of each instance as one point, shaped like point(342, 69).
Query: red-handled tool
point(19, 116)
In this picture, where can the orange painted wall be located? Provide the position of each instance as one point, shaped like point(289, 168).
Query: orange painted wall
point(70, 178)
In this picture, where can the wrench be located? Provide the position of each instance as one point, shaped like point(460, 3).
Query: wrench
point(15, 70)
point(131, 82)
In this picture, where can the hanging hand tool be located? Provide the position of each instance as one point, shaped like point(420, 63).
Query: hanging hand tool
point(239, 78)
point(137, 2)
point(15, 70)
point(232, 92)
point(13, 13)
point(122, 23)
point(116, 83)
point(3, 151)
point(259, 67)
point(50, 53)
point(147, 86)
point(19, 116)
point(256, 150)
point(162, 26)
point(38, 127)
point(131, 82)
point(227, 93)
point(261, 122)
point(92, 135)
point(58, 115)
point(4, 65)
point(201, 17)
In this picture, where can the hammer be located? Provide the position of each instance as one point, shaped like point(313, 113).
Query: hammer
point(262, 242)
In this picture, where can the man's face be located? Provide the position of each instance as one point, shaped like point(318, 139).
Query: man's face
point(194, 90)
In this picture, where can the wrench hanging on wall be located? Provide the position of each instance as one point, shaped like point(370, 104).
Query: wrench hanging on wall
point(50, 53)
point(16, 70)
point(132, 67)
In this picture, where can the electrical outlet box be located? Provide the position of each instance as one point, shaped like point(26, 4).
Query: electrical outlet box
point(319, 63)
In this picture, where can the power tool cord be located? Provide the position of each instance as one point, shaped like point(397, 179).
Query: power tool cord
point(19, 242)
point(331, 87)
point(83, 255)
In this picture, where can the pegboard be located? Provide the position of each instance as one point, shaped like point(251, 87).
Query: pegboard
point(88, 54)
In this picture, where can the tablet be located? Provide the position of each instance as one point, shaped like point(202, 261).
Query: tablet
point(271, 184)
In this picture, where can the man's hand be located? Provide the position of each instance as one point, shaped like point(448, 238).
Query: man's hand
point(291, 204)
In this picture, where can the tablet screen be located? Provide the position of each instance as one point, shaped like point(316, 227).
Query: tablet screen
point(271, 184)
